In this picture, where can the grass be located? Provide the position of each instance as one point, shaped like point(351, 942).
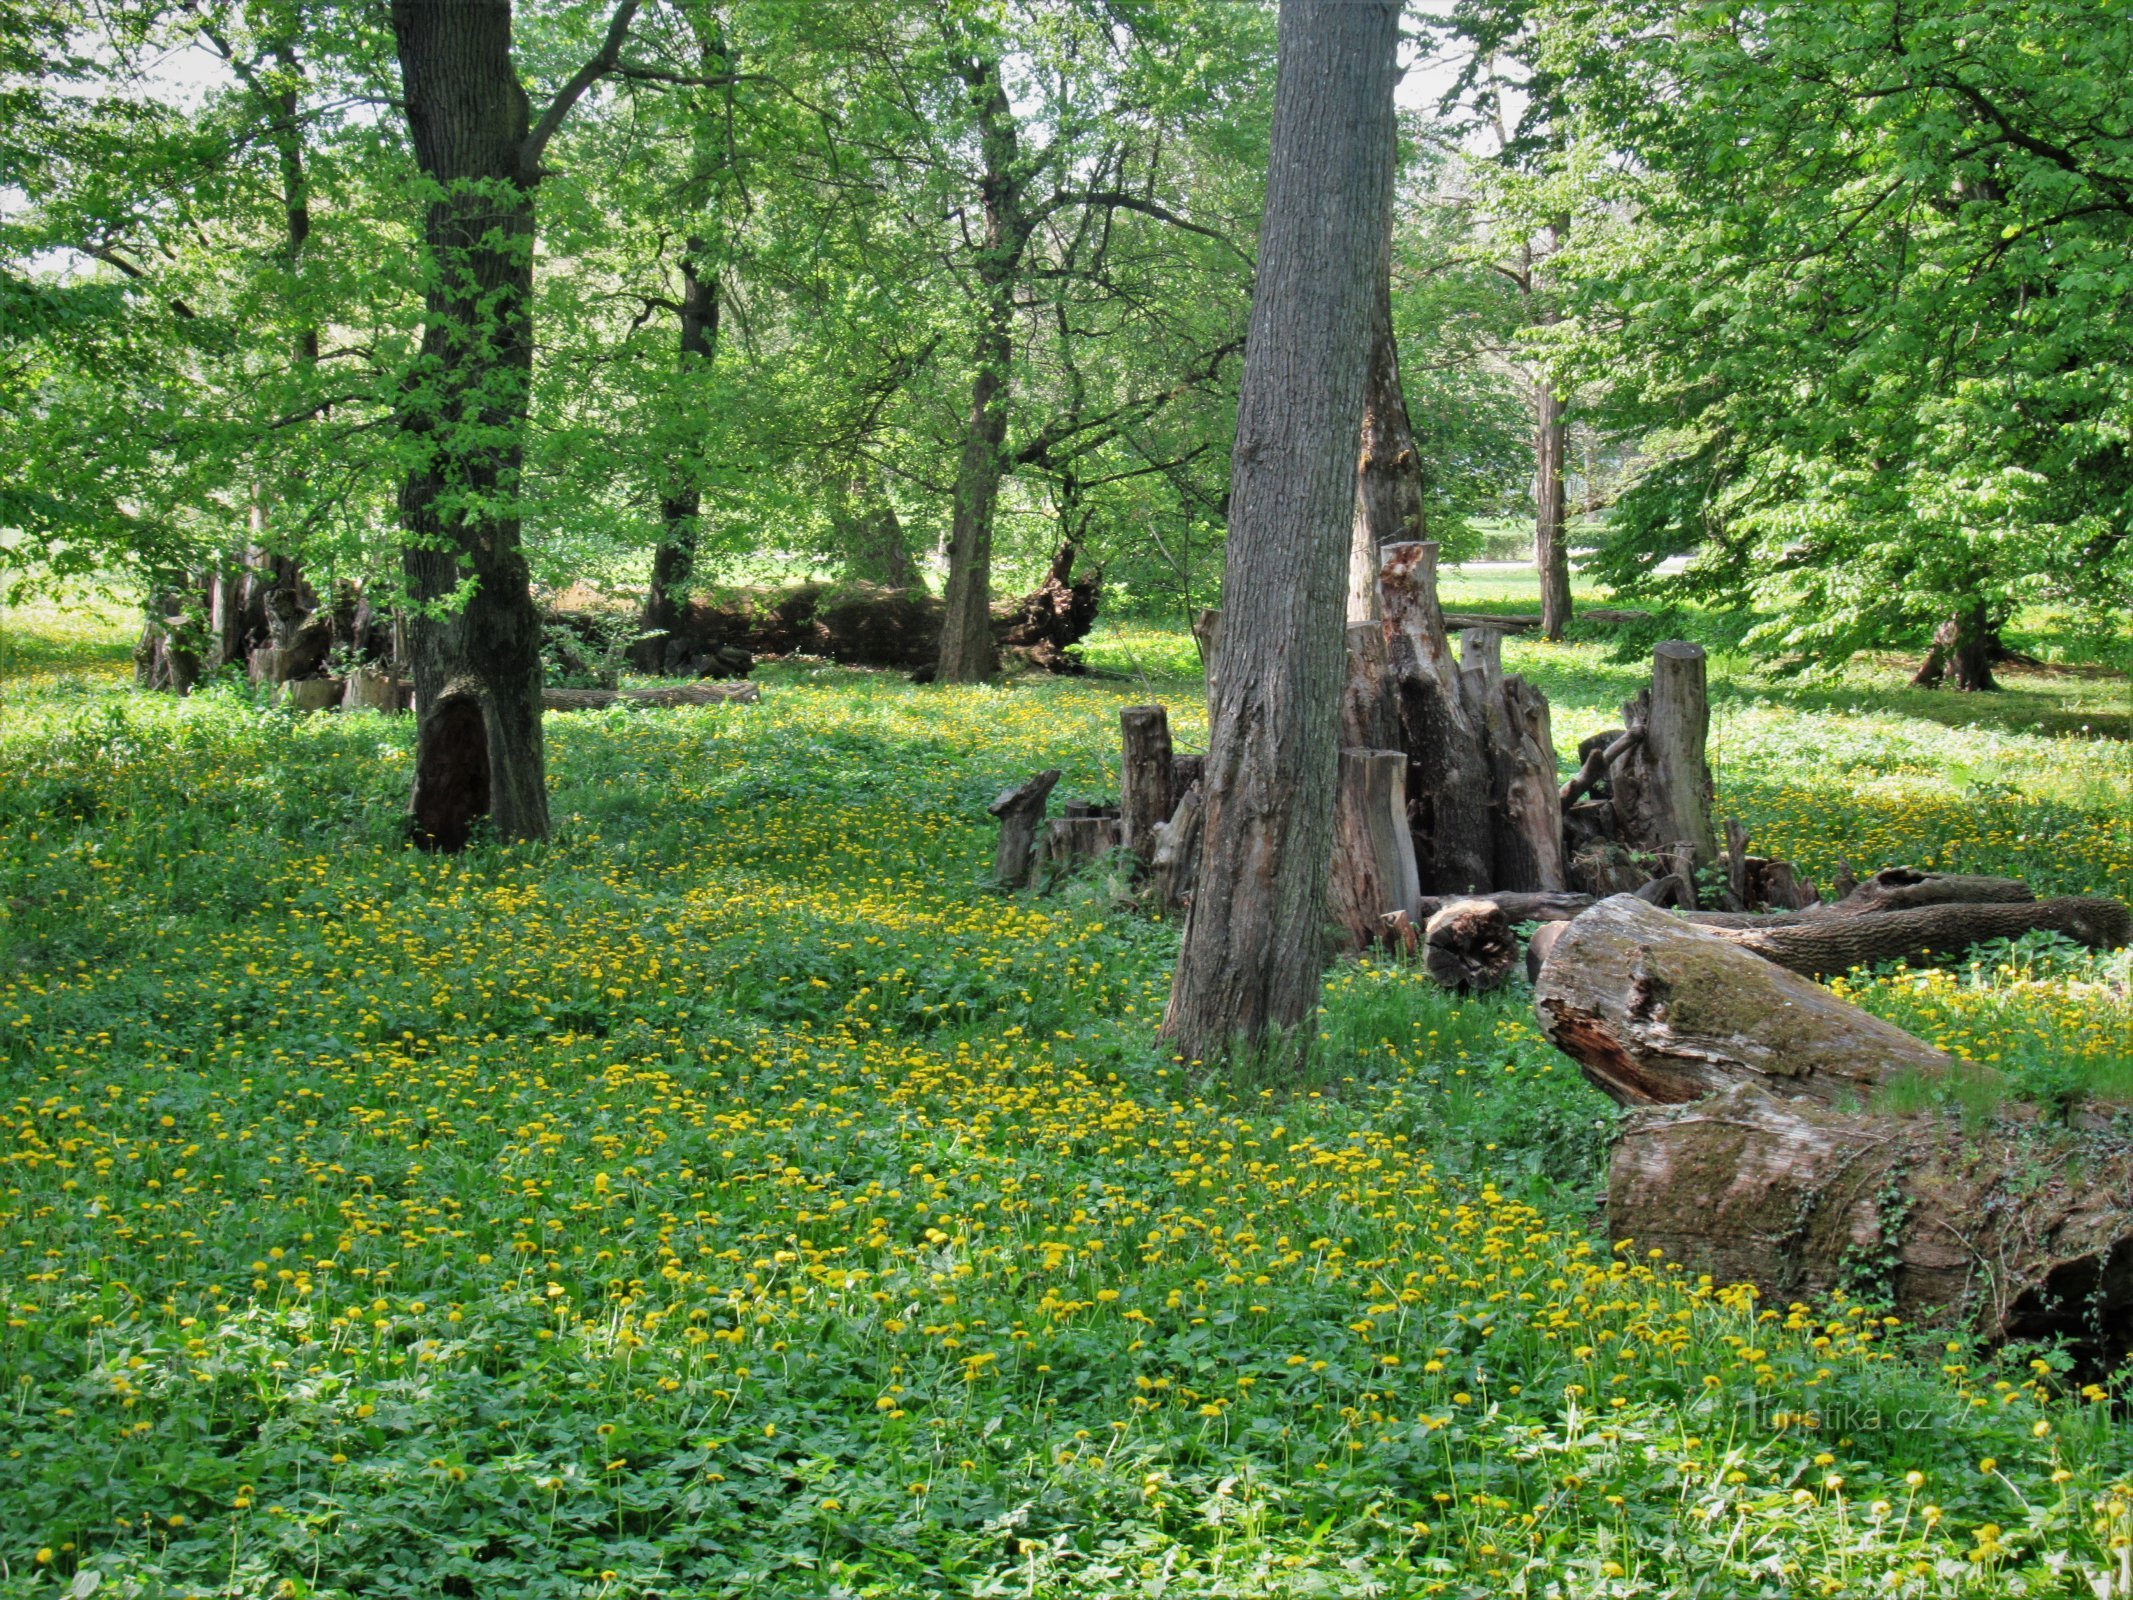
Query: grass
point(734, 1197)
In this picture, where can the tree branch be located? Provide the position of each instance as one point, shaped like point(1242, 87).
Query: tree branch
point(602, 63)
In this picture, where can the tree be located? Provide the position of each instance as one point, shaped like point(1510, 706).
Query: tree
point(1858, 277)
point(1250, 961)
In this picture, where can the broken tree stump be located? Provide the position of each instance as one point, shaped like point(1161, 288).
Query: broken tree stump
point(1177, 851)
point(1662, 784)
point(1529, 835)
point(1447, 766)
point(1079, 838)
point(1373, 853)
point(1020, 810)
point(1469, 946)
point(1370, 711)
point(1144, 777)
point(1750, 1156)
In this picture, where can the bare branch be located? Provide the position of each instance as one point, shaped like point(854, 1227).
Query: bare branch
point(602, 63)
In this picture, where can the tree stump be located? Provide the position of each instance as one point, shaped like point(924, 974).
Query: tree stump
point(1447, 767)
point(1370, 712)
point(1373, 853)
point(1074, 841)
point(1662, 785)
point(1529, 833)
point(373, 689)
point(1020, 810)
point(312, 694)
point(1469, 946)
point(1144, 777)
point(1177, 851)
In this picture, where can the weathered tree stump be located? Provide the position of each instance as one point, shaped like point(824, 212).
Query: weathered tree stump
point(1662, 784)
point(1447, 767)
point(1370, 711)
point(373, 689)
point(1177, 851)
point(1373, 853)
point(1144, 777)
point(1020, 810)
point(1529, 835)
point(312, 694)
point(1074, 841)
point(1469, 946)
point(1751, 1157)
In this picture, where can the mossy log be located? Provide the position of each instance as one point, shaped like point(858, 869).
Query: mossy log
point(1755, 1152)
point(1822, 947)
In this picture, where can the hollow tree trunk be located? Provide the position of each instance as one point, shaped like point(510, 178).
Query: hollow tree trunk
point(1388, 479)
point(477, 669)
point(1253, 940)
point(1448, 765)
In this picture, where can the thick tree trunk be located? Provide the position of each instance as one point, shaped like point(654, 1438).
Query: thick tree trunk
point(1143, 777)
point(1551, 531)
point(477, 670)
point(1662, 784)
point(1253, 941)
point(1388, 479)
point(681, 506)
point(1373, 853)
point(1448, 765)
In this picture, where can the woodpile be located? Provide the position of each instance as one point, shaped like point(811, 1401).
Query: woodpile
point(1758, 1148)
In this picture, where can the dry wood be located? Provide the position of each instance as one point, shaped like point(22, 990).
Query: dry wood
point(1469, 946)
point(1662, 787)
point(1447, 765)
point(1370, 710)
point(1658, 1011)
point(1552, 906)
point(1177, 851)
point(1073, 841)
point(1020, 810)
point(1597, 755)
point(1373, 853)
point(1145, 762)
point(1822, 947)
point(691, 694)
point(1529, 833)
point(1892, 889)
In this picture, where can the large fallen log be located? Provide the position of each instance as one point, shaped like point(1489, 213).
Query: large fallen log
point(1822, 947)
point(1750, 1156)
point(689, 694)
point(1891, 889)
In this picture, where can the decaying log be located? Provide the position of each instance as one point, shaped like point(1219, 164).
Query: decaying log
point(1537, 948)
point(691, 694)
point(2023, 1232)
point(1020, 810)
point(1822, 947)
point(1469, 946)
point(1373, 853)
point(1144, 777)
point(1517, 907)
point(1659, 1011)
point(1078, 838)
point(1177, 851)
point(1662, 786)
point(1891, 889)
point(1447, 766)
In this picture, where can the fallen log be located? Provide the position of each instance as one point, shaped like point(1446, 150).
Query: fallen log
point(1748, 1157)
point(1020, 810)
point(1658, 1011)
point(690, 694)
point(1822, 947)
point(1468, 946)
point(1527, 621)
point(1891, 889)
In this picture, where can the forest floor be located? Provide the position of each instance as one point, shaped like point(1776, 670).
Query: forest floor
point(735, 1197)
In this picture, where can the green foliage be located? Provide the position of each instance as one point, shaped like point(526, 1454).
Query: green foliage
point(735, 1195)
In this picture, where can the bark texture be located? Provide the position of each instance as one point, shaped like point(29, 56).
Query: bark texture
point(1250, 961)
point(1448, 772)
point(1021, 814)
point(1388, 478)
point(1373, 853)
point(1143, 777)
point(1822, 947)
point(1662, 784)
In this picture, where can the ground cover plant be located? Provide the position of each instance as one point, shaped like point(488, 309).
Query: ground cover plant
point(734, 1196)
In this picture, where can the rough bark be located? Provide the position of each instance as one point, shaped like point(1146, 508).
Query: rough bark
point(1143, 777)
point(1073, 841)
point(1822, 947)
point(1388, 479)
point(477, 668)
point(1370, 712)
point(1662, 785)
point(1021, 812)
point(1966, 643)
point(1177, 851)
point(1891, 889)
point(1658, 1011)
point(1529, 844)
point(1373, 853)
point(1250, 960)
point(1469, 946)
point(1448, 767)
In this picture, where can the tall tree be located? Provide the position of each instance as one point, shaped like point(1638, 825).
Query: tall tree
point(1250, 962)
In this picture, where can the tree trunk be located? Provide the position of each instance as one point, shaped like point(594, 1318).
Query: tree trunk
point(1177, 851)
point(1822, 947)
point(1143, 777)
point(1253, 944)
point(1551, 531)
point(1529, 835)
point(1370, 712)
point(477, 670)
point(1662, 785)
point(1388, 479)
point(1447, 763)
point(1373, 853)
point(1021, 813)
point(967, 652)
point(681, 506)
